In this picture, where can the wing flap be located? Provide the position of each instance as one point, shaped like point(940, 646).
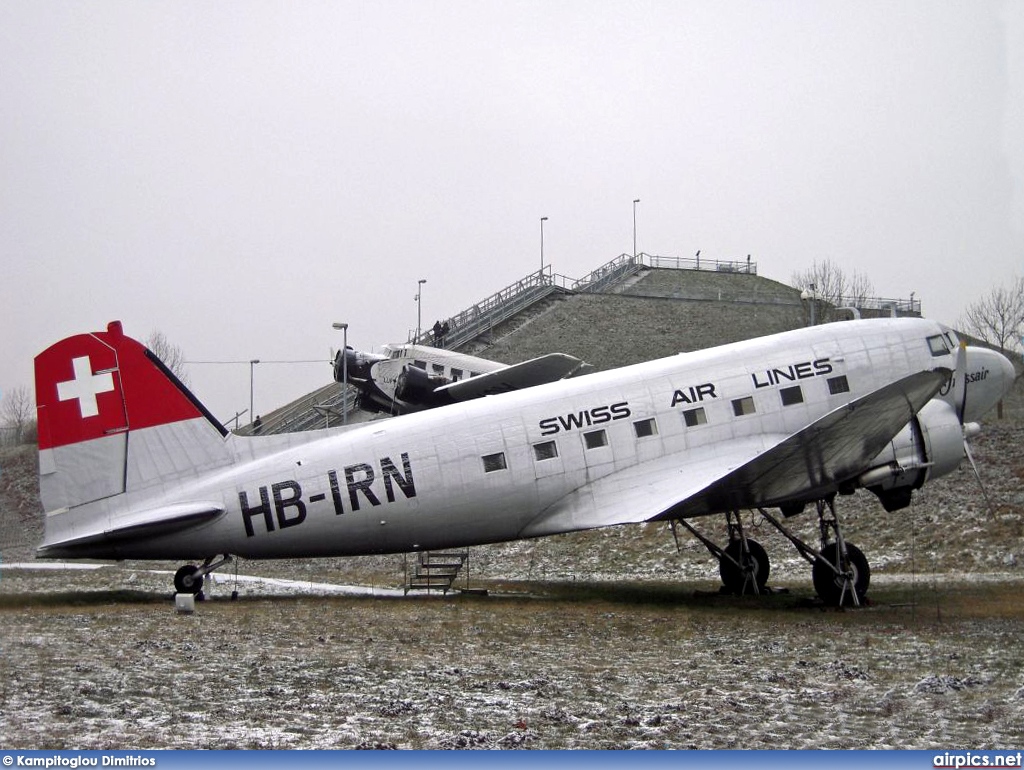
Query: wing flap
point(643, 492)
point(762, 470)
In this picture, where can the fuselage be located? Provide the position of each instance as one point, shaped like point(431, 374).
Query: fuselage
point(482, 471)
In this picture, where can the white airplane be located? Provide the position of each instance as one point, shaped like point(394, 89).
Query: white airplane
point(133, 466)
point(408, 378)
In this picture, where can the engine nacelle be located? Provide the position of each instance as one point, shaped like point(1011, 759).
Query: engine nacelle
point(417, 388)
point(354, 364)
point(929, 446)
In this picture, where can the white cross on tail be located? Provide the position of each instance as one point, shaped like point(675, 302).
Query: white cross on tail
point(85, 386)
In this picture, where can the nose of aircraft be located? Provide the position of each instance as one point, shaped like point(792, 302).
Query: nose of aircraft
point(354, 364)
point(987, 377)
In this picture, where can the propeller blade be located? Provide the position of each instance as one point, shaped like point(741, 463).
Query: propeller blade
point(963, 397)
point(977, 475)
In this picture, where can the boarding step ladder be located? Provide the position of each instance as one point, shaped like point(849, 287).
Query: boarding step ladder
point(435, 570)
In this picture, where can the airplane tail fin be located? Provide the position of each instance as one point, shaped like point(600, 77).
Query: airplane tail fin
point(113, 418)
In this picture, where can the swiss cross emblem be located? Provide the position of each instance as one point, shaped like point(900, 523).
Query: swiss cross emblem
point(85, 386)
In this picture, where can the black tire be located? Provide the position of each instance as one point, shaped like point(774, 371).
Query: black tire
point(186, 580)
point(830, 586)
point(732, 576)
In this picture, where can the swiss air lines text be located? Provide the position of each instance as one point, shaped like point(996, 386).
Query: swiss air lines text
point(282, 505)
point(586, 418)
point(801, 371)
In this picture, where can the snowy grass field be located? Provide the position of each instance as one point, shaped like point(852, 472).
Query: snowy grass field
point(100, 659)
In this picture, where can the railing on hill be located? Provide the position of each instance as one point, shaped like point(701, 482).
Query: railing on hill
point(502, 305)
point(625, 265)
point(696, 263)
point(323, 408)
point(901, 306)
point(608, 274)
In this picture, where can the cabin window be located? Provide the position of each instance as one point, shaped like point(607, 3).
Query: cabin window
point(695, 417)
point(438, 368)
point(645, 428)
point(547, 450)
point(456, 375)
point(743, 406)
point(837, 385)
point(791, 396)
point(494, 462)
point(474, 374)
point(595, 439)
point(420, 365)
point(937, 345)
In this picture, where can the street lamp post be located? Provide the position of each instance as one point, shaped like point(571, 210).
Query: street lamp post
point(542, 221)
point(252, 365)
point(344, 371)
point(419, 307)
point(811, 295)
point(635, 201)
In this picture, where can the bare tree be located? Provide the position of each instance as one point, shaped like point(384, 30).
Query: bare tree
point(172, 355)
point(18, 414)
point(998, 317)
point(833, 288)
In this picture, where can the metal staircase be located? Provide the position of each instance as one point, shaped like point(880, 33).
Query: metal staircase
point(435, 570)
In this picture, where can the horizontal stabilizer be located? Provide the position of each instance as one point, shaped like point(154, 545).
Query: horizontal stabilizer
point(136, 525)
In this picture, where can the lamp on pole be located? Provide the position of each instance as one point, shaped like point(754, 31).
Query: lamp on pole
point(542, 221)
point(810, 294)
point(252, 365)
point(635, 201)
point(344, 371)
point(419, 306)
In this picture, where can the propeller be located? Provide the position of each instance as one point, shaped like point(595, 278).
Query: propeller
point(981, 484)
point(963, 390)
point(970, 430)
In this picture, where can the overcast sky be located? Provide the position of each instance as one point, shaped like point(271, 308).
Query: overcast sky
point(239, 175)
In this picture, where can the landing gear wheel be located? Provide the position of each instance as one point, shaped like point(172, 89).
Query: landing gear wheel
point(733, 577)
point(187, 580)
point(829, 585)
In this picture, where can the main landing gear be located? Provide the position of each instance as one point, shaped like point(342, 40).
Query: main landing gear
point(743, 563)
point(839, 570)
point(190, 578)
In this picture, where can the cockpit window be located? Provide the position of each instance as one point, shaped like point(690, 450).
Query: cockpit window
point(938, 345)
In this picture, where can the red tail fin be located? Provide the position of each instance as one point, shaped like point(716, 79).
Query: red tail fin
point(95, 385)
point(92, 390)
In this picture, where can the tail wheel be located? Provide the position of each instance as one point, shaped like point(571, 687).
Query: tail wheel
point(188, 580)
point(830, 585)
point(734, 577)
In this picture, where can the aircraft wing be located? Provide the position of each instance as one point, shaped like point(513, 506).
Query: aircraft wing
point(137, 525)
point(761, 470)
point(536, 371)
